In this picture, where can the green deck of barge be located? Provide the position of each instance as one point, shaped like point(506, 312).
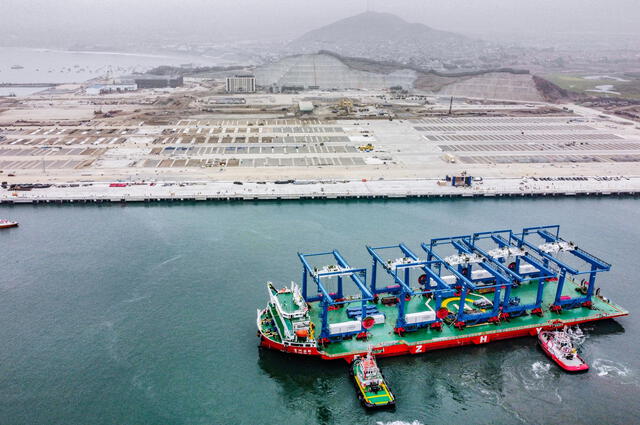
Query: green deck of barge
point(382, 334)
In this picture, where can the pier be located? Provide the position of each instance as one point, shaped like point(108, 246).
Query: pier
point(29, 84)
point(147, 192)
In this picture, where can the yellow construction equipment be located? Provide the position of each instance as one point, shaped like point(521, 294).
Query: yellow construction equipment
point(346, 104)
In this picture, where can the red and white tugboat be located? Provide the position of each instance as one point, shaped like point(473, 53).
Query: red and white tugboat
point(5, 224)
point(558, 345)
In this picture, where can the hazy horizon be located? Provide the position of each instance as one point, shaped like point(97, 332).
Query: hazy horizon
point(81, 21)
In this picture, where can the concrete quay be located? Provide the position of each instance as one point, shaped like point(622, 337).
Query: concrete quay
point(343, 189)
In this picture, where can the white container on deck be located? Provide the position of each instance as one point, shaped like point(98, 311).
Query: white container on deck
point(343, 327)
point(422, 316)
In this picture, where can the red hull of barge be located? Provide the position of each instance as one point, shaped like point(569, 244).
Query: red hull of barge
point(401, 348)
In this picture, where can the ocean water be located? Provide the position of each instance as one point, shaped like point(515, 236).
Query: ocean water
point(145, 314)
point(61, 66)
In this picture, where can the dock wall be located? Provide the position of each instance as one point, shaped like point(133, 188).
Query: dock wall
point(325, 190)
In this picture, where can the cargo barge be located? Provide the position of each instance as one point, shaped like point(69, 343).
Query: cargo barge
point(470, 289)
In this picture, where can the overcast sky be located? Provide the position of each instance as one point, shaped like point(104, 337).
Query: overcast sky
point(250, 19)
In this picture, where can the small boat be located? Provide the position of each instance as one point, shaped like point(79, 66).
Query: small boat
point(370, 385)
point(5, 224)
point(558, 345)
point(17, 67)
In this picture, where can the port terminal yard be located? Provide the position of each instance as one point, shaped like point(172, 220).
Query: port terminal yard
point(158, 154)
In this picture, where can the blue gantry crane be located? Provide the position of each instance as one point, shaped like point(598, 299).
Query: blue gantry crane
point(340, 269)
point(522, 268)
point(493, 262)
point(461, 264)
point(552, 245)
point(402, 290)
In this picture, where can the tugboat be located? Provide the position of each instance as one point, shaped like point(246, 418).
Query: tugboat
point(5, 224)
point(370, 385)
point(558, 345)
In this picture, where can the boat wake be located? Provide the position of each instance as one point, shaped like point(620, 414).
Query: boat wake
point(400, 423)
point(170, 260)
point(605, 367)
point(540, 369)
point(537, 379)
point(533, 378)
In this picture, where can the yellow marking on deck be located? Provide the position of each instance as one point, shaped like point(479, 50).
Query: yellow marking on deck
point(386, 395)
point(369, 397)
point(448, 300)
point(479, 324)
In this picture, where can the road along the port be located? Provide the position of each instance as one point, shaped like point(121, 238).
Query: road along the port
point(331, 189)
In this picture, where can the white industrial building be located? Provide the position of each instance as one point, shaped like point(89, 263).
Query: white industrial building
point(241, 84)
point(124, 86)
point(305, 107)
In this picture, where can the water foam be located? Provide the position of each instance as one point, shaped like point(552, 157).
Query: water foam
point(605, 367)
point(400, 423)
point(540, 369)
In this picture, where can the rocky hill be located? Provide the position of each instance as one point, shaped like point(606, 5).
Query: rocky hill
point(329, 70)
point(385, 36)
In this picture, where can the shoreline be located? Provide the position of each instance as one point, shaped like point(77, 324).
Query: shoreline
point(321, 190)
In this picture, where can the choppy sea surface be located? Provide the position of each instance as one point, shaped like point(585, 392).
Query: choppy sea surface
point(145, 314)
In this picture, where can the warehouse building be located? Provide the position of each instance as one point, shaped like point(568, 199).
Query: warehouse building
point(121, 87)
point(241, 84)
point(305, 107)
point(150, 81)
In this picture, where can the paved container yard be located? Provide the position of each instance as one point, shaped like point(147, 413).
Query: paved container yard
point(293, 148)
point(190, 143)
point(506, 140)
